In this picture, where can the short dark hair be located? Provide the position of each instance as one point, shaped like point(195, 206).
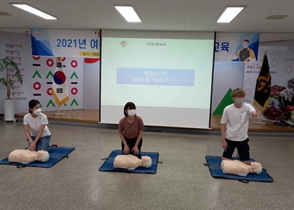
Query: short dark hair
point(33, 103)
point(238, 92)
point(130, 105)
point(246, 40)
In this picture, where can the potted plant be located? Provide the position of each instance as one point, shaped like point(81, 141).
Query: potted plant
point(12, 74)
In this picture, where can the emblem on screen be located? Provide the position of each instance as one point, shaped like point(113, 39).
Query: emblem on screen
point(124, 43)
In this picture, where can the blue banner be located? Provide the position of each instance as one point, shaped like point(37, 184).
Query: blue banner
point(65, 43)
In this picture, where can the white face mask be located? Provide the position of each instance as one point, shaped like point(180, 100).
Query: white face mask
point(239, 101)
point(131, 112)
point(37, 111)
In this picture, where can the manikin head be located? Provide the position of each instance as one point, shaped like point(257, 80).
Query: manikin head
point(256, 167)
point(146, 161)
point(43, 156)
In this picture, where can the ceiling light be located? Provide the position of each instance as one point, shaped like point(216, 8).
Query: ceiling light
point(229, 14)
point(34, 11)
point(128, 13)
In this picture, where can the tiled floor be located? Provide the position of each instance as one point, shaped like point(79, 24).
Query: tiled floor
point(181, 182)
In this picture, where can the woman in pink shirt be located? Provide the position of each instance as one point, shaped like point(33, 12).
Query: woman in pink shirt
point(130, 131)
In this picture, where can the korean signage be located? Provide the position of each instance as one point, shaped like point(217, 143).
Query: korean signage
point(167, 77)
point(65, 43)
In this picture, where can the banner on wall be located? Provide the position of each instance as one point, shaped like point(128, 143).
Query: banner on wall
point(60, 89)
point(236, 47)
point(65, 43)
point(231, 50)
point(250, 74)
point(64, 77)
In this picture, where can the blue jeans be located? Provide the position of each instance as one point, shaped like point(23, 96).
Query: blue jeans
point(43, 143)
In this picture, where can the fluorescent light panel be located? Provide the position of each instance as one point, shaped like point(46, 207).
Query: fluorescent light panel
point(34, 11)
point(229, 14)
point(128, 13)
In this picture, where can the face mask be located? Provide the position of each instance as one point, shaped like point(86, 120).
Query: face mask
point(131, 112)
point(239, 101)
point(37, 111)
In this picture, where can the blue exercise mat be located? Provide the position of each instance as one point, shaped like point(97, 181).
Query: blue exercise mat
point(108, 164)
point(56, 154)
point(214, 164)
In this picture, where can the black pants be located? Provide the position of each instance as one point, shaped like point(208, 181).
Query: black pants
point(131, 143)
point(242, 147)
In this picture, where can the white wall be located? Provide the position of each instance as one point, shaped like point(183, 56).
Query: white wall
point(91, 85)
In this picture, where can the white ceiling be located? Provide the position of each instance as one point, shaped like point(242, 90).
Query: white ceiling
point(166, 15)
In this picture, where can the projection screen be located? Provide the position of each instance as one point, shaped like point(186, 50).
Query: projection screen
point(168, 75)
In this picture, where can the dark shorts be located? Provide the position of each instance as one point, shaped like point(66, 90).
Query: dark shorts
point(242, 147)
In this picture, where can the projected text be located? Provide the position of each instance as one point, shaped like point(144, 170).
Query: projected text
point(169, 77)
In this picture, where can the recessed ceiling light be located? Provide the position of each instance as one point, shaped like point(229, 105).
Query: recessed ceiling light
point(128, 13)
point(229, 14)
point(34, 11)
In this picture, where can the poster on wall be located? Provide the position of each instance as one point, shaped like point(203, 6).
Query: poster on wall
point(65, 43)
point(16, 47)
point(232, 51)
point(38, 77)
point(236, 47)
point(15, 51)
point(45, 75)
point(251, 71)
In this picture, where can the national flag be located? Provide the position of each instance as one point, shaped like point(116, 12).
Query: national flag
point(60, 89)
point(263, 85)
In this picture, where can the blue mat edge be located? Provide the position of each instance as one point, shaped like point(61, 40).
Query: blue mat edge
point(128, 171)
point(236, 177)
point(36, 163)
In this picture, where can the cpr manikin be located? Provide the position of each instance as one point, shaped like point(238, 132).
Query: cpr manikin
point(26, 156)
point(239, 168)
point(131, 162)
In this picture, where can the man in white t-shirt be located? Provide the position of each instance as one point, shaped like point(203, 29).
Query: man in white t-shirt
point(234, 127)
point(36, 129)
